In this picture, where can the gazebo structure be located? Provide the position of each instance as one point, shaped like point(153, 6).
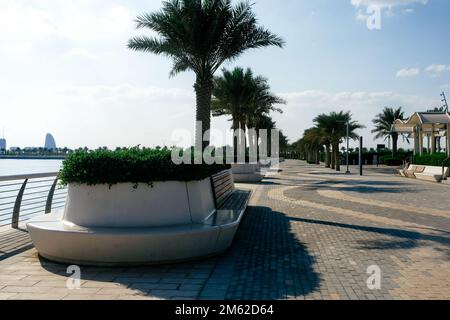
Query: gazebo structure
point(426, 125)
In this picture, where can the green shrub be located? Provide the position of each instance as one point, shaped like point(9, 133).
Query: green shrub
point(133, 165)
point(392, 161)
point(435, 159)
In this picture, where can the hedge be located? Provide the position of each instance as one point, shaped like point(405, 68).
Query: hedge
point(435, 159)
point(133, 165)
point(391, 161)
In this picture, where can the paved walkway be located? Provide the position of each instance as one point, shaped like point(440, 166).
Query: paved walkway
point(309, 233)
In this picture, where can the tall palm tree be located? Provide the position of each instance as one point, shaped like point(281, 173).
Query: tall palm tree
point(265, 122)
point(262, 104)
point(232, 95)
point(246, 98)
point(312, 143)
point(383, 126)
point(200, 35)
point(334, 126)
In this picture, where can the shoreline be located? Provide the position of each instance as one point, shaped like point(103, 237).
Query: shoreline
point(3, 157)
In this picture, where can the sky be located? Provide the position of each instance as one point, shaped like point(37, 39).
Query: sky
point(65, 68)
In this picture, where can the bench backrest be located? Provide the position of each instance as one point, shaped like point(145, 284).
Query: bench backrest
point(223, 186)
point(433, 170)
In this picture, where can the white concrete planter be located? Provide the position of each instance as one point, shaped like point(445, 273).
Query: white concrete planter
point(246, 172)
point(122, 225)
point(162, 204)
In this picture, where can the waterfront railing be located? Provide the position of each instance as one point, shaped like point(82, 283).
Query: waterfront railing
point(25, 196)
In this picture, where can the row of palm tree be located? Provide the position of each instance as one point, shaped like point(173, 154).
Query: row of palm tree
point(199, 36)
point(328, 132)
point(249, 102)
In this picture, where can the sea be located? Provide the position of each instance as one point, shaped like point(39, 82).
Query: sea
point(10, 167)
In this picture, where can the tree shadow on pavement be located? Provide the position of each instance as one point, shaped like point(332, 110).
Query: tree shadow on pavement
point(403, 239)
point(271, 262)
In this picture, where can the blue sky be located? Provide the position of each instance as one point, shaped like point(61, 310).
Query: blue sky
point(65, 68)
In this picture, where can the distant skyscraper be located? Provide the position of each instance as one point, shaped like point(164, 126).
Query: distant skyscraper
point(2, 144)
point(50, 143)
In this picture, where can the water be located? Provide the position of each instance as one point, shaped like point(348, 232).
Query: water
point(27, 166)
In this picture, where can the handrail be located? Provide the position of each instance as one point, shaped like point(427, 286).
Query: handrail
point(444, 176)
point(28, 176)
point(22, 204)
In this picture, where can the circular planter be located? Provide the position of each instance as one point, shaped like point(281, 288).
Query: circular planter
point(246, 172)
point(125, 205)
point(123, 225)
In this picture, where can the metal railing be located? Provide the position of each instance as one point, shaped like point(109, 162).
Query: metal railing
point(25, 196)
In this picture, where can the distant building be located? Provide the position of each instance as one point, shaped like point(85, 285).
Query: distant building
point(50, 143)
point(2, 145)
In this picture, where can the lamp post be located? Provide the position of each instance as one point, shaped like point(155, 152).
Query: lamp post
point(348, 138)
point(348, 147)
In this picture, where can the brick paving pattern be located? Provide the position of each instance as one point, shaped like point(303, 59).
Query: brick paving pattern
point(309, 233)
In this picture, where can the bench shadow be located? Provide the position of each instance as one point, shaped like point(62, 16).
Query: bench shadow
point(266, 261)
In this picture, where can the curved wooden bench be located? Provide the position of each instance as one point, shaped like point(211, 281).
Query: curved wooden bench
point(63, 241)
point(432, 173)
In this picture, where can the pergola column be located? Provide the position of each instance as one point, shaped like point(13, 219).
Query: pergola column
point(420, 140)
point(433, 140)
point(416, 141)
point(448, 140)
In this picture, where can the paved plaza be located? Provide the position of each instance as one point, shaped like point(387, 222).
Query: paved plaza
point(309, 233)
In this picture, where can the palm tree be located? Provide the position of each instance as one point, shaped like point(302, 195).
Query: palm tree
point(334, 126)
point(383, 126)
point(200, 35)
point(265, 122)
point(262, 104)
point(312, 144)
point(246, 98)
point(232, 94)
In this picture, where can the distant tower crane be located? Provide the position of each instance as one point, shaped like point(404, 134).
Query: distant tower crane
point(444, 100)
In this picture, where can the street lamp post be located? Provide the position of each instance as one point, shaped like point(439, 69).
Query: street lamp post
point(348, 138)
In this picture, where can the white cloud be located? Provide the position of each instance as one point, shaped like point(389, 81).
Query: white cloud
point(28, 24)
point(437, 69)
point(303, 106)
point(81, 53)
point(386, 3)
point(405, 73)
point(127, 115)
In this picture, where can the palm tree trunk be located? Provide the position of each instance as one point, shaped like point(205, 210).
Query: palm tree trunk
point(333, 157)
point(235, 137)
point(337, 158)
point(203, 93)
point(243, 137)
point(327, 156)
point(394, 144)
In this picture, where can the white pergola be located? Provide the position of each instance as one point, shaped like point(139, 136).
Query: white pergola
point(428, 125)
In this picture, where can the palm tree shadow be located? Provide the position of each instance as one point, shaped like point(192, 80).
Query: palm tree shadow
point(271, 262)
point(267, 262)
point(403, 239)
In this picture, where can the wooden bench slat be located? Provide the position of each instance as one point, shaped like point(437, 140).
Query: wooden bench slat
point(221, 181)
point(223, 187)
